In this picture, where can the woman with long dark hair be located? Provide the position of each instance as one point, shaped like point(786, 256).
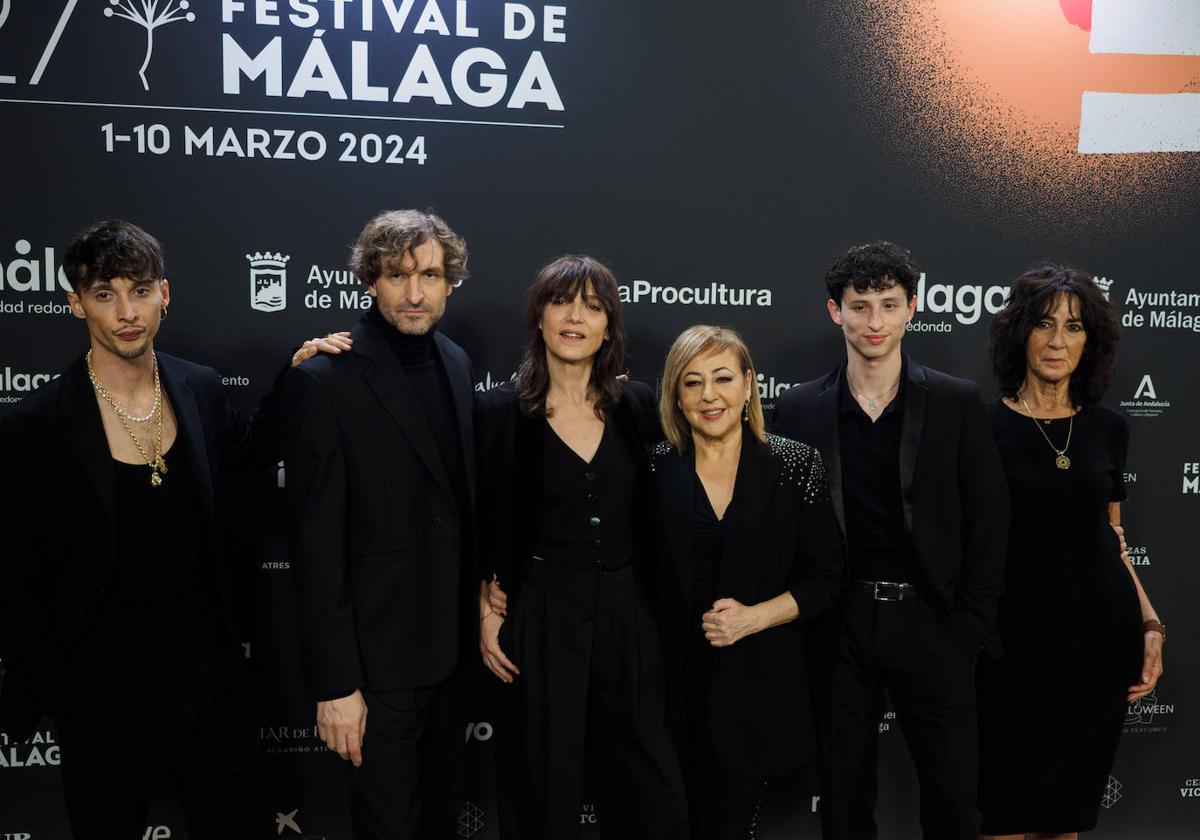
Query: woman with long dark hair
point(1080, 638)
point(564, 516)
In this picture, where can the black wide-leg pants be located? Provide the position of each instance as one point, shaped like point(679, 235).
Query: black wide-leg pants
point(905, 649)
point(129, 731)
point(590, 695)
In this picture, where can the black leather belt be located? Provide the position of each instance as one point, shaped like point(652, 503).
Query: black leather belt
point(883, 590)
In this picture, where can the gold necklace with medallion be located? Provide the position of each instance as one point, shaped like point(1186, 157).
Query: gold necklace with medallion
point(1061, 461)
point(158, 467)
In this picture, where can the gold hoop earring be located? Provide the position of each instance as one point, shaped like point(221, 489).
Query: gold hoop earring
point(163, 316)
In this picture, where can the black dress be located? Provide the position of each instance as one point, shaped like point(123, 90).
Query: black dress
point(1052, 707)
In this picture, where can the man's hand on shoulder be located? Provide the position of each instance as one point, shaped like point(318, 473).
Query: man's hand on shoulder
point(342, 724)
point(333, 343)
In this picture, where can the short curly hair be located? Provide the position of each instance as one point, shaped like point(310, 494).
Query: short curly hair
point(1034, 295)
point(876, 266)
point(394, 233)
point(112, 248)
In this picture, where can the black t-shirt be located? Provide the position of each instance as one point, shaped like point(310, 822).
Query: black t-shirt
point(162, 604)
point(876, 541)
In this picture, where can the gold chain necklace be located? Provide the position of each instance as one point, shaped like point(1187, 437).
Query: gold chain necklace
point(158, 467)
point(1062, 461)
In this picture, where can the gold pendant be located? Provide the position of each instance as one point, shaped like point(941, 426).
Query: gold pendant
point(155, 479)
point(159, 464)
point(1062, 462)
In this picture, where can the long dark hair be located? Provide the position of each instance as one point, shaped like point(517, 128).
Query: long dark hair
point(1033, 296)
point(565, 277)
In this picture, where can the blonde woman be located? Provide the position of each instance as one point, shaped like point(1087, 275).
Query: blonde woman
point(748, 550)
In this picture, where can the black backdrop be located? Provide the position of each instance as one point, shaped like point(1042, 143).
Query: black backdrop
point(716, 155)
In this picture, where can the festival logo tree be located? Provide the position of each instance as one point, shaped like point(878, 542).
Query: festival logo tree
point(150, 14)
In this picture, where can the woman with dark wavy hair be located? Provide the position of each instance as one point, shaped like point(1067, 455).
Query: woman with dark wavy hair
point(564, 492)
point(1080, 638)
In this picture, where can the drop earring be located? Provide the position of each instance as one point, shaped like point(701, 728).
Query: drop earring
point(746, 412)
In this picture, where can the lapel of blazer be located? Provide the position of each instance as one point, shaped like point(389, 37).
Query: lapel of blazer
point(190, 428)
point(916, 399)
point(80, 415)
point(828, 440)
point(677, 498)
point(386, 378)
point(757, 476)
point(462, 394)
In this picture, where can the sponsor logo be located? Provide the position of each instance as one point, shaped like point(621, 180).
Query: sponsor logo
point(268, 281)
point(885, 723)
point(149, 16)
point(769, 388)
point(275, 565)
point(1190, 789)
point(1112, 793)
point(1162, 310)
point(1104, 284)
point(235, 381)
point(1139, 555)
point(1191, 478)
point(966, 302)
point(489, 382)
point(1145, 402)
point(470, 819)
point(279, 740)
point(714, 294)
point(587, 814)
point(1146, 714)
point(157, 832)
point(481, 731)
point(29, 270)
point(16, 835)
point(39, 750)
point(287, 821)
point(322, 294)
point(15, 385)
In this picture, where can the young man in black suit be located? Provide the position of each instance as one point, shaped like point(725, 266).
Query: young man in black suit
point(115, 597)
point(380, 489)
point(920, 496)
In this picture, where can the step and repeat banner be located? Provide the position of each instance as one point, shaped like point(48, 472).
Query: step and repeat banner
point(717, 155)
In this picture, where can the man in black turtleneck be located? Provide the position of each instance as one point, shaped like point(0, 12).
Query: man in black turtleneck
point(380, 484)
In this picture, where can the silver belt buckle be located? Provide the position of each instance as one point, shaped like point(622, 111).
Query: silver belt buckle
point(878, 597)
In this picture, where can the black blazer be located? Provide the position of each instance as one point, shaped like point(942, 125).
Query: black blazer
point(781, 535)
point(955, 497)
point(57, 511)
point(385, 582)
point(512, 470)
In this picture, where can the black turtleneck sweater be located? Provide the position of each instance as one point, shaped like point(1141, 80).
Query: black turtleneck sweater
point(418, 356)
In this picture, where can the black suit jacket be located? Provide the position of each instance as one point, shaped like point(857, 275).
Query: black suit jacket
point(512, 471)
point(954, 495)
point(385, 581)
point(57, 510)
point(781, 535)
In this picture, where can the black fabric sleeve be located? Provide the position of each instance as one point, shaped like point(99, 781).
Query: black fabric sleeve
point(316, 520)
point(820, 570)
point(985, 508)
point(1120, 445)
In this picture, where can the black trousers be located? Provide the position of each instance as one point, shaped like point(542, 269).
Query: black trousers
point(129, 731)
point(589, 696)
point(722, 805)
point(410, 783)
point(905, 649)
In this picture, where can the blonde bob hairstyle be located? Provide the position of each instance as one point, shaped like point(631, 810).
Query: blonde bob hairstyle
point(703, 340)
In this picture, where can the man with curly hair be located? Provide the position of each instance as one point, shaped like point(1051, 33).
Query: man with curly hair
point(920, 496)
point(380, 488)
